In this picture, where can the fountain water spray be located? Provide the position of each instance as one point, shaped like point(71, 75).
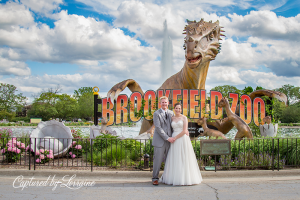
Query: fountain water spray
point(167, 55)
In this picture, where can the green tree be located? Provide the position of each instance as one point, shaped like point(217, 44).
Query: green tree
point(247, 90)
point(292, 93)
point(44, 105)
point(66, 106)
point(85, 98)
point(9, 100)
point(259, 88)
point(225, 89)
point(43, 110)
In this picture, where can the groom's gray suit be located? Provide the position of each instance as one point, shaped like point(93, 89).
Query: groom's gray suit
point(162, 132)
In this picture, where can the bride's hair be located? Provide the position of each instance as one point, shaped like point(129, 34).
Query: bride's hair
point(176, 104)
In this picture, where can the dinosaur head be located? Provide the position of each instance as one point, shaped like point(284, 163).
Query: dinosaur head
point(200, 121)
point(223, 102)
point(201, 43)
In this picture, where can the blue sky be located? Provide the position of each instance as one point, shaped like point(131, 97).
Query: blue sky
point(76, 43)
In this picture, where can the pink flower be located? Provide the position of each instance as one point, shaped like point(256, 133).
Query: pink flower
point(27, 148)
point(42, 156)
point(9, 149)
point(70, 153)
point(9, 144)
point(18, 150)
point(14, 140)
point(37, 153)
point(73, 156)
point(2, 150)
point(73, 143)
point(18, 143)
point(50, 156)
point(38, 160)
point(73, 131)
point(42, 150)
point(78, 147)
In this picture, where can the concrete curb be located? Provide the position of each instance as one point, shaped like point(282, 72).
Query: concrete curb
point(113, 175)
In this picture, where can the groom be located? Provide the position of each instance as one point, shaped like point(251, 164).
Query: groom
point(162, 136)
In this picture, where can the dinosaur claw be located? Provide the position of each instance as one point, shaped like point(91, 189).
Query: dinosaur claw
point(117, 93)
point(108, 94)
point(112, 96)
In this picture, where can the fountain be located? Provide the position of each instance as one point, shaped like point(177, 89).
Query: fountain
point(167, 55)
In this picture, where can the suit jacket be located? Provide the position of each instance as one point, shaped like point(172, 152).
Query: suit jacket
point(163, 129)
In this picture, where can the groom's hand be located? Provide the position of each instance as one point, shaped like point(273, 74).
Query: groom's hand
point(171, 140)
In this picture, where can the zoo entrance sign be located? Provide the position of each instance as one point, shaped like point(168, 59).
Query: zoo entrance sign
point(136, 106)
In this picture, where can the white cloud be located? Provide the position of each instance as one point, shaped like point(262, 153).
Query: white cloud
point(44, 7)
point(9, 64)
point(12, 14)
point(264, 24)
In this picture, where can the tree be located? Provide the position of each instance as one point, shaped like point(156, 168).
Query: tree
point(66, 106)
point(225, 89)
point(247, 90)
point(43, 110)
point(292, 93)
point(44, 105)
point(85, 98)
point(9, 101)
point(259, 88)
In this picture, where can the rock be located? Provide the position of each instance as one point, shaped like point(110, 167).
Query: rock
point(52, 129)
point(51, 143)
point(269, 130)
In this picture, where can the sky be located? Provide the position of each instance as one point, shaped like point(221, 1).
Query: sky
point(87, 43)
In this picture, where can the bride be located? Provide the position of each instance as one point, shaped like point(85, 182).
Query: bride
point(181, 167)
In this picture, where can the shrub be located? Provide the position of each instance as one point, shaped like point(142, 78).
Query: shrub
point(13, 150)
point(44, 155)
point(75, 150)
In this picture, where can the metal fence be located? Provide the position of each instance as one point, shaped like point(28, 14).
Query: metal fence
point(107, 153)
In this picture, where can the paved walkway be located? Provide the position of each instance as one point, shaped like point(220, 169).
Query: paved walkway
point(256, 184)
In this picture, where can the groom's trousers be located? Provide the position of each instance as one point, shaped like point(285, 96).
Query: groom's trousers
point(160, 153)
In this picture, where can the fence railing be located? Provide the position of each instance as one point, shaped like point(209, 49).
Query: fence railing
point(103, 153)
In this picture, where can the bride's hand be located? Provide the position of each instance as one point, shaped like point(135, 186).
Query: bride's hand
point(187, 133)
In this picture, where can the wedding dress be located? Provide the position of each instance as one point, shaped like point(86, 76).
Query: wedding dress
point(181, 167)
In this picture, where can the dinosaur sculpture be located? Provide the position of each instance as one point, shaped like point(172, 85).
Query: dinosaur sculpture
point(207, 131)
point(201, 46)
point(243, 128)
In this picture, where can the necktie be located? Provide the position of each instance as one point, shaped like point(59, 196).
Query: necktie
point(166, 115)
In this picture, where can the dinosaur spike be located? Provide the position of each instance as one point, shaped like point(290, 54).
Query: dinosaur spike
point(217, 22)
point(210, 21)
point(221, 26)
point(219, 39)
point(222, 35)
point(184, 33)
point(191, 39)
point(222, 31)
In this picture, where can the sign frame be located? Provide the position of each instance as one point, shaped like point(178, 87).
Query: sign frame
point(216, 142)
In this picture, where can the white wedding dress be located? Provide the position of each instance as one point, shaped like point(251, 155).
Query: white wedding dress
point(181, 167)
